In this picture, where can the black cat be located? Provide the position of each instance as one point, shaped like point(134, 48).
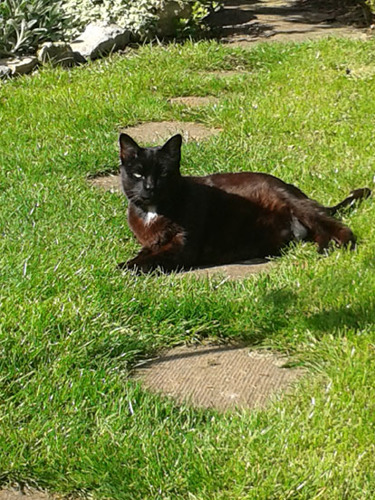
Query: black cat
point(185, 222)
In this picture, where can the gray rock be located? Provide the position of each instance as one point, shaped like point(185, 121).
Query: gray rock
point(20, 65)
point(99, 39)
point(79, 59)
point(4, 71)
point(56, 53)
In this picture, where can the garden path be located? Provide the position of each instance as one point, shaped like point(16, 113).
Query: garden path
point(243, 22)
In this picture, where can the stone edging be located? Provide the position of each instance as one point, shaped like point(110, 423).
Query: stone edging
point(98, 39)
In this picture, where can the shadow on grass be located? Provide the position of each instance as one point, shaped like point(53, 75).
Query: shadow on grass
point(351, 316)
point(278, 313)
point(279, 316)
point(273, 316)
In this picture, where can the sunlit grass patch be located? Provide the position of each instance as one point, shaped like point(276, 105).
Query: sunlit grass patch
point(72, 325)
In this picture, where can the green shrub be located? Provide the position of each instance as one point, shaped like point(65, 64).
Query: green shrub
point(139, 16)
point(190, 26)
point(24, 24)
point(371, 4)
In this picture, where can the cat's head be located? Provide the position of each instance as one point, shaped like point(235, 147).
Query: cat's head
point(149, 175)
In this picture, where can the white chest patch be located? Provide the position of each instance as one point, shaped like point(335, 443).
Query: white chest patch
point(299, 231)
point(151, 215)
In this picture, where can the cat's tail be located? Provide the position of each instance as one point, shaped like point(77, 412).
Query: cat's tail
point(355, 197)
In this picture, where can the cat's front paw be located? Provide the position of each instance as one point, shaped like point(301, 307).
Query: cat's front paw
point(136, 266)
point(122, 265)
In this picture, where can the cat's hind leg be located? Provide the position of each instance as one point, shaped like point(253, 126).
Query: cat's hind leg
point(342, 236)
point(321, 227)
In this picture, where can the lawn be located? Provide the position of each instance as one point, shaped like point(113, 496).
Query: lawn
point(72, 326)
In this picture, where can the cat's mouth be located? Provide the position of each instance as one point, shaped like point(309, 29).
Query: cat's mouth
point(148, 200)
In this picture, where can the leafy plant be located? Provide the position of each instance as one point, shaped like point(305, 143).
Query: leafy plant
point(139, 16)
point(371, 4)
point(25, 24)
point(194, 24)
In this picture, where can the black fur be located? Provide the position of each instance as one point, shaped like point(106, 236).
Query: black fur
point(184, 222)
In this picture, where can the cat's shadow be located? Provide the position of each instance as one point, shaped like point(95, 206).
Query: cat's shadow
point(245, 263)
point(192, 353)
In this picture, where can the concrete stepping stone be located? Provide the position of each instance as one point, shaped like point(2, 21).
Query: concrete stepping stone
point(26, 494)
point(223, 377)
point(158, 132)
point(194, 101)
point(236, 271)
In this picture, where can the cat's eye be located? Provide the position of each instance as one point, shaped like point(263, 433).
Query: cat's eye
point(137, 176)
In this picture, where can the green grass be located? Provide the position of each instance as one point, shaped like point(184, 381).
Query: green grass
point(72, 326)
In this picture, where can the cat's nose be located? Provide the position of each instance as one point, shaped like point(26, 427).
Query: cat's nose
point(149, 186)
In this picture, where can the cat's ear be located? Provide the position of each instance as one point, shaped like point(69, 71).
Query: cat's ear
point(173, 147)
point(128, 148)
